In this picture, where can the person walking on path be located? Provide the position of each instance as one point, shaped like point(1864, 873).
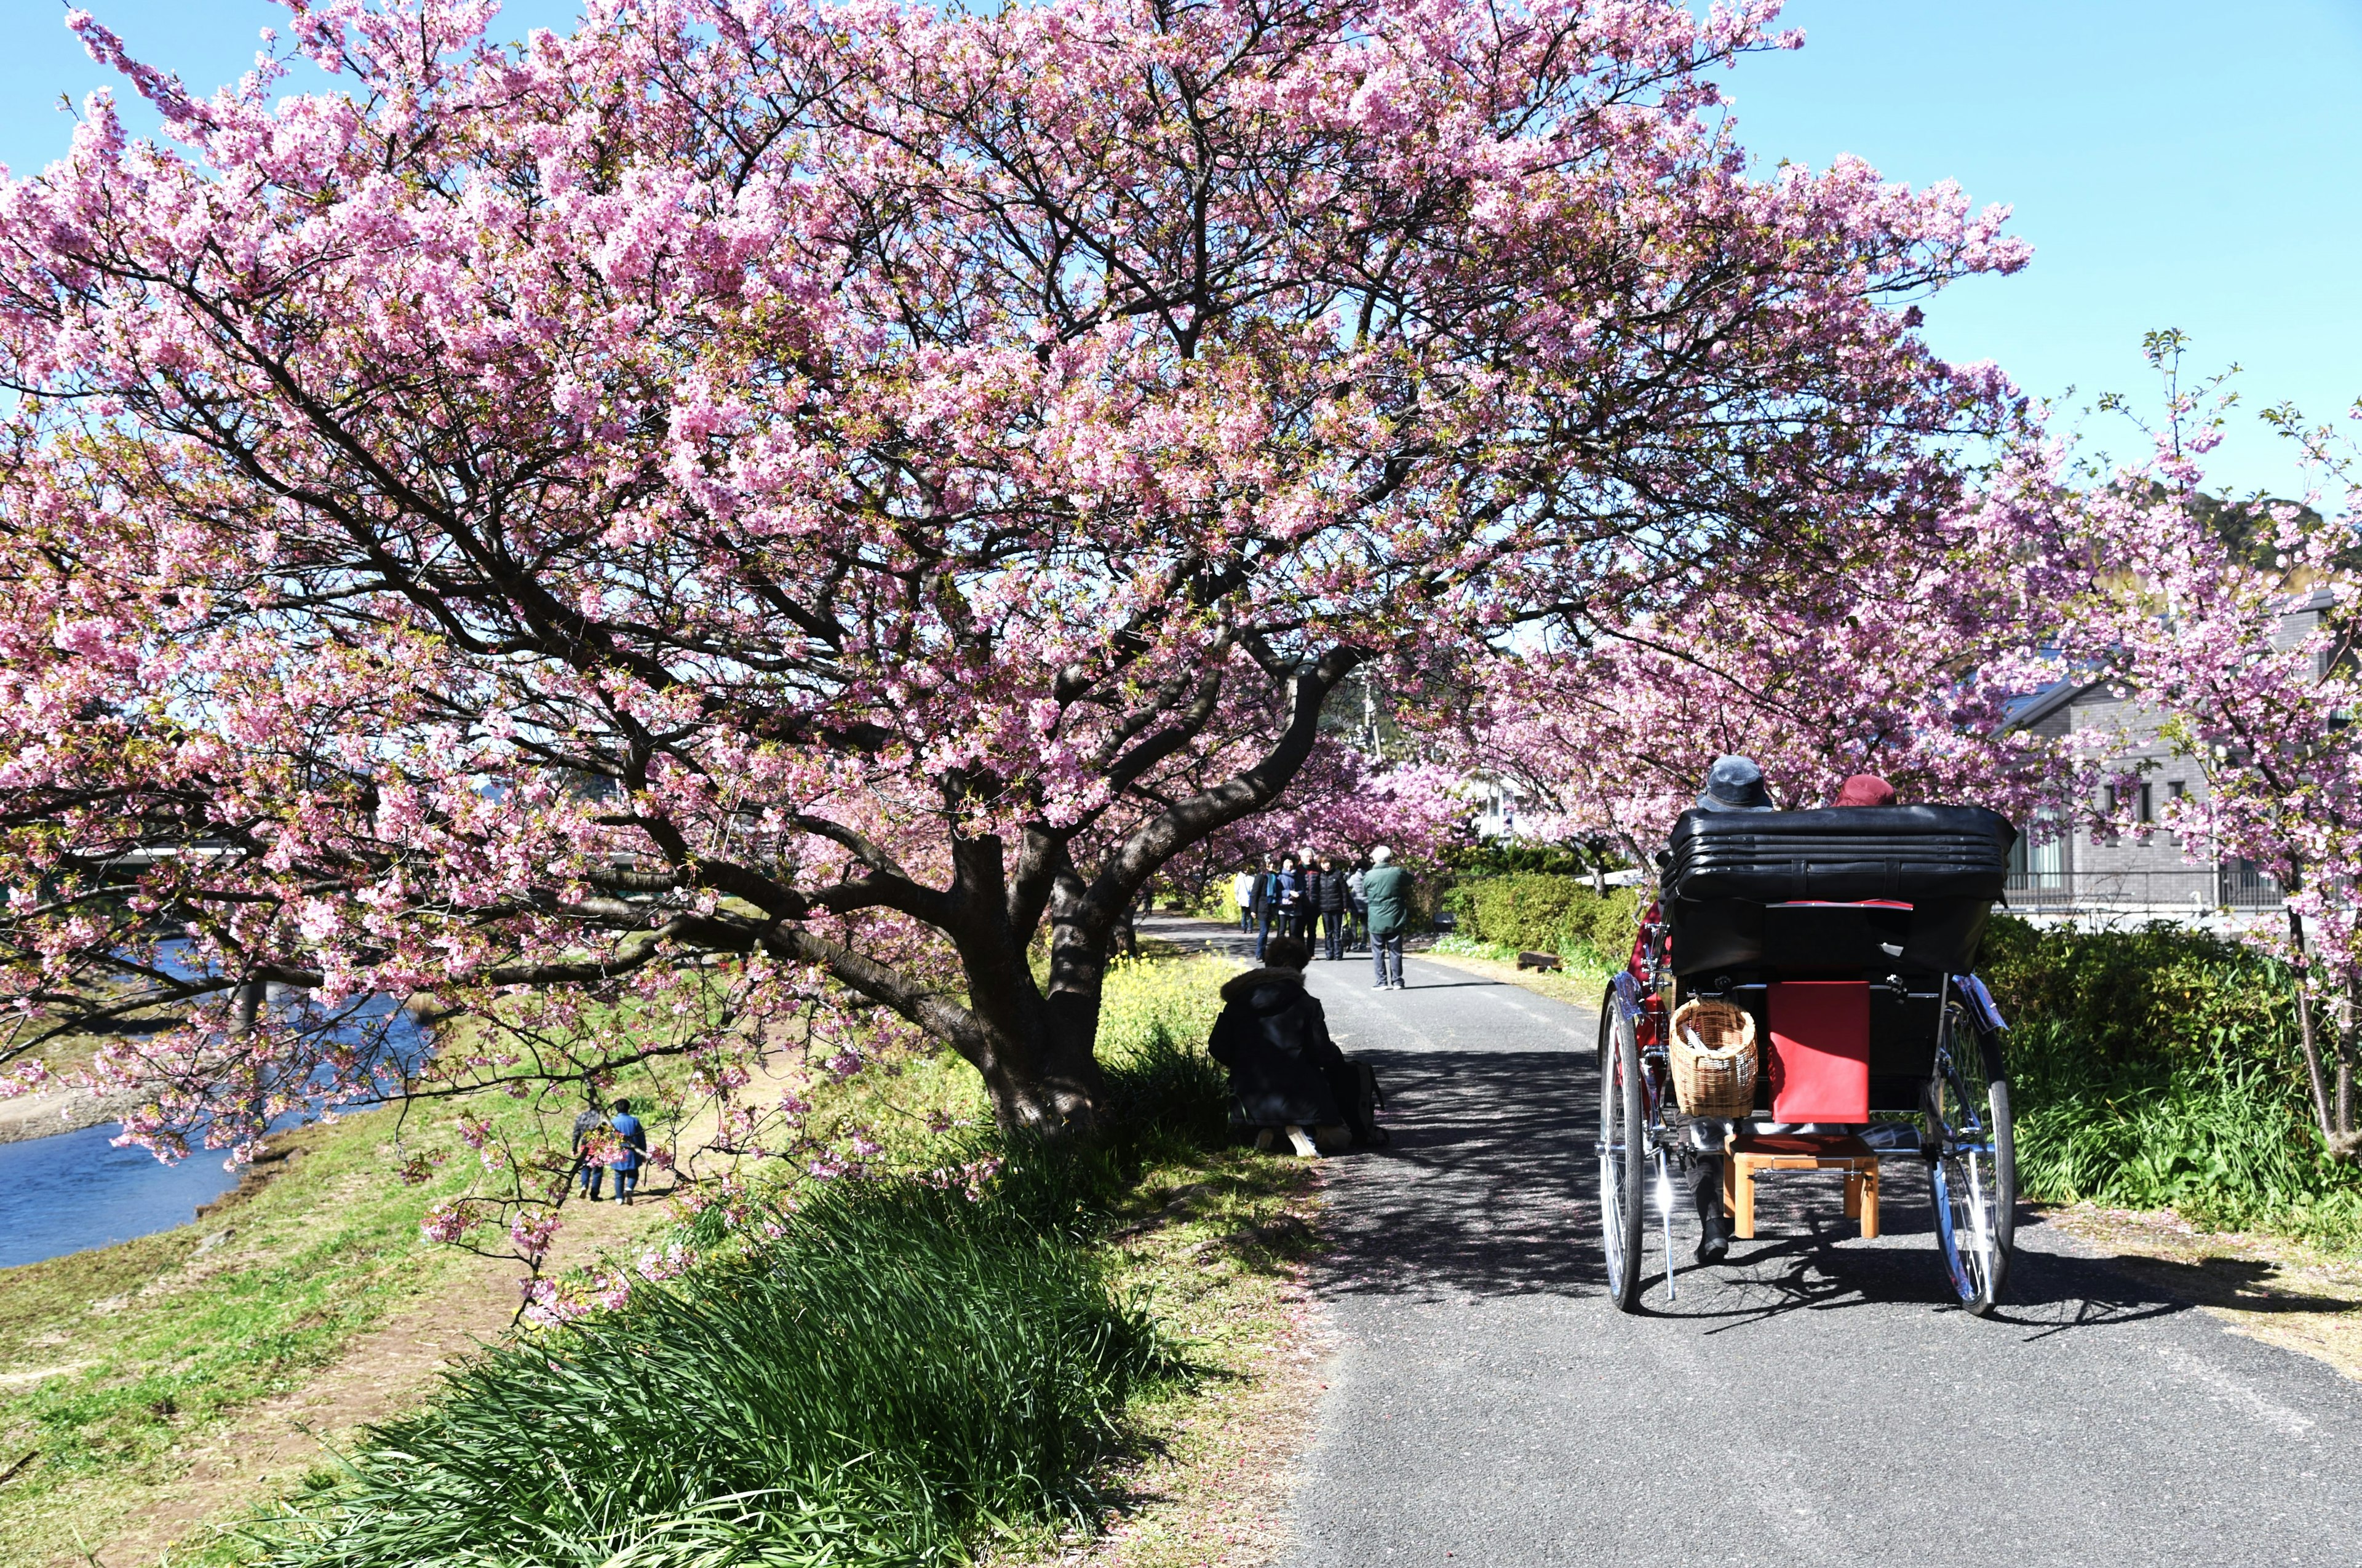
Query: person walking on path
point(1242, 890)
point(1286, 1072)
point(1357, 904)
point(1386, 887)
point(1307, 912)
point(635, 1138)
point(588, 1172)
point(1328, 899)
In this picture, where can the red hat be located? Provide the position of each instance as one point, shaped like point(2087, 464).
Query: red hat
point(1865, 790)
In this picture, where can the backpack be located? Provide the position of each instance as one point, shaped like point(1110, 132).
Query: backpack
point(1363, 1106)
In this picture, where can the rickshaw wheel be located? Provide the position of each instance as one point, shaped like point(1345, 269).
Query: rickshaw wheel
point(1972, 1178)
point(1623, 1162)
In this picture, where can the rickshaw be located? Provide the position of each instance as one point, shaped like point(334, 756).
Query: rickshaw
point(1846, 934)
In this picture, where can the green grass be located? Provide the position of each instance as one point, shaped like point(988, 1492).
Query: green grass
point(884, 1373)
point(1581, 963)
point(1020, 1297)
point(895, 1373)
point(164, 1343)
point(2222, 1141)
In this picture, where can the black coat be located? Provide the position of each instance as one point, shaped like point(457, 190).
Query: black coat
point(1328, 891)
point(1274, 1038)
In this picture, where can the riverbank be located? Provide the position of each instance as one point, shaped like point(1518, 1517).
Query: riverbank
point(170, 1387)
point(128, 1371)
point(53, 1112)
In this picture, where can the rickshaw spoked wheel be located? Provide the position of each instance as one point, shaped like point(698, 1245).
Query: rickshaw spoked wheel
point(1971, 1175)
point(1623, 1153)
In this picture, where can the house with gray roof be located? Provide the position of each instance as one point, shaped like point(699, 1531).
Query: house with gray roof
point(2152, 873)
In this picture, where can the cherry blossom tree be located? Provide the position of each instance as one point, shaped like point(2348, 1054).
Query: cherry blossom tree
point(2242, 646)
point(1895, 655)
point(761, 510)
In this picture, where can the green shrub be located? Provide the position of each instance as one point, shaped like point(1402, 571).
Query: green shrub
point(2159, 1067)
point(2154, 994)
point(1543, 913)
point(1494, 857)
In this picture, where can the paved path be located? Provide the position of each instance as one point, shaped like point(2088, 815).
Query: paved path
point(1816, 1401)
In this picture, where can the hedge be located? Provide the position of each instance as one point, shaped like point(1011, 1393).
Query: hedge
point(1545, 913)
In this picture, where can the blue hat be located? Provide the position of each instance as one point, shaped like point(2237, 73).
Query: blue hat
point(1734, 784)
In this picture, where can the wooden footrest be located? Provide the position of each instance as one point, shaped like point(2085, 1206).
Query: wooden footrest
point(1743, 1156)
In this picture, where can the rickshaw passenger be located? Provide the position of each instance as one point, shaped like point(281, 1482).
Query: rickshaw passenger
point(1864, 790)
point(1736, 784)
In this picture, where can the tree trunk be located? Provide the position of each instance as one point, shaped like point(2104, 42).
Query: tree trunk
point(1051, 1089)
point(1035, 1047)
point(2308, 1040)
point(2349, 1021)
point(1038, 1059)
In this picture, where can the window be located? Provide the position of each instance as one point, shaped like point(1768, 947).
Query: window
point(2147, 813)
point(2037, 860)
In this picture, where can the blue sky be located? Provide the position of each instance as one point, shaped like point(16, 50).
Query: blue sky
point(2174, 164)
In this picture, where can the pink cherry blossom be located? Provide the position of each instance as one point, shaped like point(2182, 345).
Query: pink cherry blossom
point(733, 524)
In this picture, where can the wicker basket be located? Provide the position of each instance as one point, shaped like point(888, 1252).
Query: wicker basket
point(1720, 1080)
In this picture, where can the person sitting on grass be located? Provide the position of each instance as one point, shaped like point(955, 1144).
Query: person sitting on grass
point(1286, 1072)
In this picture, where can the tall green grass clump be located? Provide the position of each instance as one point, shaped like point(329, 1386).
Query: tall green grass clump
point(2157, 1067)
point(894, 1373)
point(888, 1373)
point(1165, 1094)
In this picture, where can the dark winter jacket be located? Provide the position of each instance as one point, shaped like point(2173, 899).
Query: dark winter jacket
point(1287, 890)
point(1328, 891)
point(1388, 888)
point(1274, 1038)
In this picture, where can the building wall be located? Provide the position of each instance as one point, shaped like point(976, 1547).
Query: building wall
point(2108, 711)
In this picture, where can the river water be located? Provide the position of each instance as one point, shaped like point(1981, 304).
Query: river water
point(75, 1190)
point(71, 1190)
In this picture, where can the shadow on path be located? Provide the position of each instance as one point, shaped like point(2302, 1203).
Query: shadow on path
point(1485, 1187)
point(1489, 1188)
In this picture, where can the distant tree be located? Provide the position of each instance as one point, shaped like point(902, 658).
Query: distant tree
point(1873, 656)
